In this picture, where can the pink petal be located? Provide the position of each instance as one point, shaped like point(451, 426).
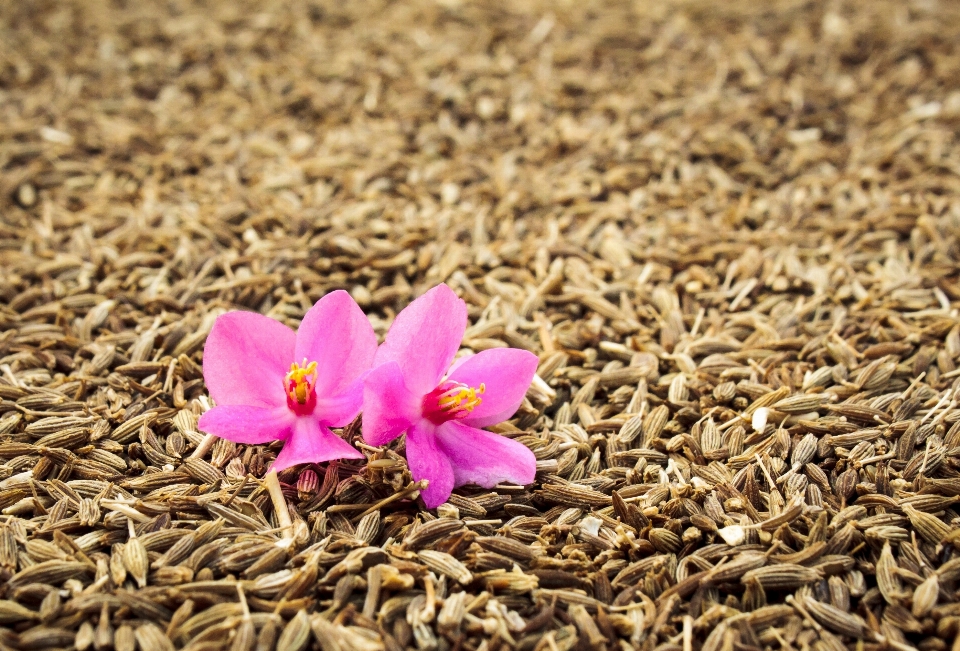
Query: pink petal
point(336, 335)
point(506, 374)
point(312, 442)
point(339, 410)
point(424, 338)
point(246, 424)
point(485, 458)
point(427, 461)
point(458, 362)
point(388, 406)
point(246, 358)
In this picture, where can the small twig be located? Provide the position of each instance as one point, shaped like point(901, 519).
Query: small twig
point(204, 446)
point(7, 371)
point(125, 509)
point(803, 612)
point(874, 459)
point(279, 504)
point(946, 396)
point(764, 469)
point(696, 328)
point(243, 483)
point(168, 384)
point(783, 643)
point(946, 411)
point(913, 385)
point(243, 601)
point(275, 530)
point(414, 486)
point(926, 455)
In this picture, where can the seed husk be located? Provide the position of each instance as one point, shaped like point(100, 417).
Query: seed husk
point(782, 576)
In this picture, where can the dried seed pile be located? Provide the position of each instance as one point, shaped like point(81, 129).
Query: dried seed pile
point(730, 233)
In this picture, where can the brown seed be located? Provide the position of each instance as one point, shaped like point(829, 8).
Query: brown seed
point(45, 637)
point(369, 527)
point(925, 596)
point(887, 579)
point(754, 596)
point(665, 540)
point(84, 637)
point(50, 572)
point(136, 561)
point(430, 532)
point(508, 547)
point(782, 576)
point(103, 634)
point(654, 423)
point(839, 592)
point(575, 495)
point(124, 638)
point(446, 564)
point(50, 607)
point(736, 568)
point(150, 638)
point(12, 612)
point(180, 550)
point(931, 528)
point(267, 637)
point(725, 391)
point(267, 559)
point(838, 621)
point(703, 523)
point(846, 484)
point(631, 429)
point(295, 634)
point(799, 404)
point(452, 612)
point(245, 637)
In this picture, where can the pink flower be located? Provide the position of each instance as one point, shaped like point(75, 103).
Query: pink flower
point(271, 383)
point(413, 389)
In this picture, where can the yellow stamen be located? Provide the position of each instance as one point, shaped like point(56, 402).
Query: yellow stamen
point(461, 398)
point(301, 380)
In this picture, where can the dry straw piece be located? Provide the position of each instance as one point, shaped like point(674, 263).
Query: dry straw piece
point(728, 230)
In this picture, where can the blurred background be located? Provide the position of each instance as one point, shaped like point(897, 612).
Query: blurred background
point(282, 113)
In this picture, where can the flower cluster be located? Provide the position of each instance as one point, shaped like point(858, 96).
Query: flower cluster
point(271, 383)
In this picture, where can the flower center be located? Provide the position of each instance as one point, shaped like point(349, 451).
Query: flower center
point(299, 382)
point(451, 401)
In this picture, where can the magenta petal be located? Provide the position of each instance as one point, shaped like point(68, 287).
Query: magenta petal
point(485, 458)
point(312, 442)
point(506, 374)
point(427, 461)
point(339, 410)
point(245, 424)
point(389, 407)
point(424, 338)
point(336, 335)
point(245, 359)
